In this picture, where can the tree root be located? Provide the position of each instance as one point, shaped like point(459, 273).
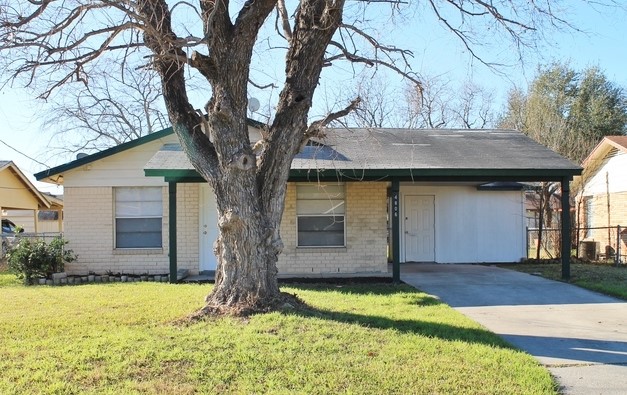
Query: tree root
point(283, 303)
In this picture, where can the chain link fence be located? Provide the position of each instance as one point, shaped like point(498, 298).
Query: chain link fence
point(604, 243)
point(11, 239)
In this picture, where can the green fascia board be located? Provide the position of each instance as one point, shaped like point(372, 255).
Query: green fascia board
point(435, 174)
point(103, 154)
point(398, 174)
point(119, 148)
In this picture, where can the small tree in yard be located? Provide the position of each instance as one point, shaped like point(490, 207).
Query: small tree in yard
point(54, 43)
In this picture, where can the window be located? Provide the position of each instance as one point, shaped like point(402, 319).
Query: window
point(48, 215)
point(138, 212)
point(588, 212)
point(320, 210)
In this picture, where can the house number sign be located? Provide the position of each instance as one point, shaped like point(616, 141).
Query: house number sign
point(395, 205)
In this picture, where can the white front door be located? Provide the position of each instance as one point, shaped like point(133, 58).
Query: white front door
point(419, 228)
point(208, 222)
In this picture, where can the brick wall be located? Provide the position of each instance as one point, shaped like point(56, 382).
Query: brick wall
point(366, 236)
point(187, 213)
point(599, 218)
point(89, 218)
point(89, 228)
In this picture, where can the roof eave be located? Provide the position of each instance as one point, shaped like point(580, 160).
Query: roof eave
point(41, 176)
point(190, 175)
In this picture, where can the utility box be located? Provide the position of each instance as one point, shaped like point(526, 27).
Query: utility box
point(589, 249)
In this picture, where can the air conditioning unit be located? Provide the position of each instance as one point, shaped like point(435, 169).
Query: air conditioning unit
point(589, 249)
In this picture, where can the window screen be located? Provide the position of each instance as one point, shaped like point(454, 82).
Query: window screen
point(138, 217)
point(320, 209)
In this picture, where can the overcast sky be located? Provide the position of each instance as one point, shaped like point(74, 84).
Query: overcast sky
point(435, 53)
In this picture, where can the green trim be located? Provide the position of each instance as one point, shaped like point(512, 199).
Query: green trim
point(173, 175)
point(431, 173)
point(103, 154)
point(172, 230)
point(120, 148)
point(491, 175)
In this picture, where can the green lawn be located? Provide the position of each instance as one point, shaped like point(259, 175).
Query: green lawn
point(601, 277)
point(361, 339)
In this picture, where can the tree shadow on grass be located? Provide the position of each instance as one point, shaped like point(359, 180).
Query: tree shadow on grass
point(376, 288)
point(429, 329)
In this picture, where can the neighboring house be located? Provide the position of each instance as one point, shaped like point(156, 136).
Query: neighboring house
point(17, 195)
point(44, 221)
point(601, 195)
point(426, 195)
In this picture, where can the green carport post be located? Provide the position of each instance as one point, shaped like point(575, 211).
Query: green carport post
point(172, 229)
point(396, 230)
point(566, 242)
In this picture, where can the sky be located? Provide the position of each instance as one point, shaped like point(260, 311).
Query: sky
point(25, 135)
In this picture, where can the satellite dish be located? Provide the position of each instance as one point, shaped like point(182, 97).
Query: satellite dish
point(253, 104)
point(81, 155)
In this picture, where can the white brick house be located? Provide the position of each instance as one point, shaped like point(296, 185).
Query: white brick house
point(354, 201)
point(601, 195)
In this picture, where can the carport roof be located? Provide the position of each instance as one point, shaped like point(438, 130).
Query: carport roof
point(407, 154)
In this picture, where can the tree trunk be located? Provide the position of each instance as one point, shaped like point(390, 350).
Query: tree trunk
point(247, 249)
point(250, 189)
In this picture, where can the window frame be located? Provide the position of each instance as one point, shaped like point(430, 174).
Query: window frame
point(322, 215)
point(116, 217)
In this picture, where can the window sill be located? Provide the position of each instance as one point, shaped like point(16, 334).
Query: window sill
point(138, 251)
point(320, 248)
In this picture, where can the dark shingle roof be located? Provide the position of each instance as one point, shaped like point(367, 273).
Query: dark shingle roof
point(408, 152)
point(430, 148)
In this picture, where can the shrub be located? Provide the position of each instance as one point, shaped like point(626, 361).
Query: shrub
point(35, 258)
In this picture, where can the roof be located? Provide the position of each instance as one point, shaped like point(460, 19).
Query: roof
point(618, 142)
point(103, 154)
point(413, 154)
point(597, 157)
point(7, 164)
point(117, 149)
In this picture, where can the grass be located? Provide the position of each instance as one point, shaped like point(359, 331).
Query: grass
point(362, 339)
point(601, 277)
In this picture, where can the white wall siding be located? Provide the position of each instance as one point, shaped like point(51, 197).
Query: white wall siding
point(123, 169)
point(473, 226)
point(617, 169)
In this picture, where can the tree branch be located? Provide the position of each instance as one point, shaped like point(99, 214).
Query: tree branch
point(314, 130)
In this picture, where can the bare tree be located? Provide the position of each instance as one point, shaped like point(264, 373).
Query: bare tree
point(436, 103)
point(439, 103)
point(379, 105)
point(52, 43)
point(110, 110)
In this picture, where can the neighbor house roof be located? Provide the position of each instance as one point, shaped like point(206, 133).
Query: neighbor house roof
point(598, 156)
point(7, 165)
point(412, 154)
point(608, 142)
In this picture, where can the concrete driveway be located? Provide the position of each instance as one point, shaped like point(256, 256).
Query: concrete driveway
point(580, 336)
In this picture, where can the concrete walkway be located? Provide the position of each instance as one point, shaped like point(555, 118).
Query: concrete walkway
point(580, 336)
